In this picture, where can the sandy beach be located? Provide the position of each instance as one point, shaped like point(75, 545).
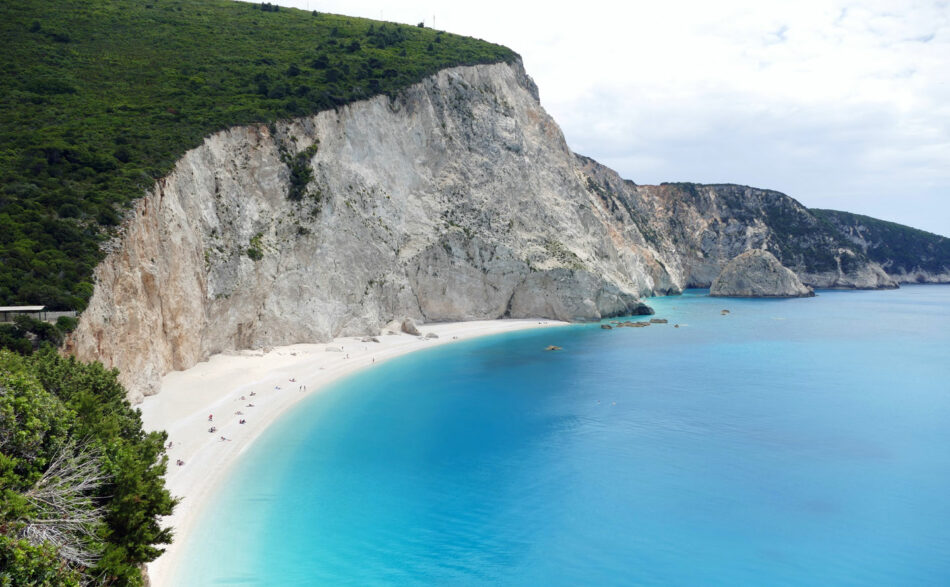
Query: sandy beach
point(258, 387)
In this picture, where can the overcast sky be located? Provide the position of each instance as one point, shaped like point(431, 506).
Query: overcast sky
point(839, 104)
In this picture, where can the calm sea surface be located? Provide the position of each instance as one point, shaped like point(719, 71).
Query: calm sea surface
point(791, 442)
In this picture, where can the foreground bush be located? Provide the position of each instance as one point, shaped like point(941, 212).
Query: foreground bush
point(81, 484)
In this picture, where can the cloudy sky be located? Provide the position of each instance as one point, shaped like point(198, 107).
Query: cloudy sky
point(840, 104)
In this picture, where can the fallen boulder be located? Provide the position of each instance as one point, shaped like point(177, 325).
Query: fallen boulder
point(409, 327)
point(758, 274)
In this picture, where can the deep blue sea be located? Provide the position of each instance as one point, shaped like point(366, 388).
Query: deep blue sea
point(790, 442)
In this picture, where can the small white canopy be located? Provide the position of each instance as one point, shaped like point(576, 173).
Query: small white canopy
point(22, 308)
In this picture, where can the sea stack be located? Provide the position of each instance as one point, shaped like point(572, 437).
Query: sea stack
point(758, 274)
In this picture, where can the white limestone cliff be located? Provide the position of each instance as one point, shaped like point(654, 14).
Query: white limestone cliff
point(459, 199)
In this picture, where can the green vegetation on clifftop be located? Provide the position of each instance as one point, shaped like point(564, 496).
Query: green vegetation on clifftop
point(99, 98)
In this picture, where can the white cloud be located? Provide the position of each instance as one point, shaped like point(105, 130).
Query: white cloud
point(839, 103)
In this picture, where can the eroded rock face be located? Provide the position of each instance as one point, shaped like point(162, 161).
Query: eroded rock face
point(907, 254)
point(693, 230)
point(758, 274)
point(457, 200)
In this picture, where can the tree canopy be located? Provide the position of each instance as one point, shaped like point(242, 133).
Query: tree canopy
point(81, 484)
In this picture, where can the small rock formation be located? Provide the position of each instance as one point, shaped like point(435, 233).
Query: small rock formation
point(658, 320)
point(334, 349)
point(431, 335)
point(758, 274)
point(369, 339)
point(409, 327)
point(606, 327)
point(724, 312)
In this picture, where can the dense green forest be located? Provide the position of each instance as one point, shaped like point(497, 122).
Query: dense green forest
point(98, 98)
point(81, 485)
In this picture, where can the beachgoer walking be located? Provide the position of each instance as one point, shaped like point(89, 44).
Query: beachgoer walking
point(210, 417)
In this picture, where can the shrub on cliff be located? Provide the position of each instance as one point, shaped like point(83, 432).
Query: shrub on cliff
point(81, 484)
point(25, 334)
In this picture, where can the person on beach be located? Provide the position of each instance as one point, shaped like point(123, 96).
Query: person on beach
point(210, 417)
point(212, 430)
point(242, 421)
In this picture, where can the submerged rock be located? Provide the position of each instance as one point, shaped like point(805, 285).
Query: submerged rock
point(658, 320)
point(629, 324)
point(606, 327)
point(758, 274)
point(553, 348)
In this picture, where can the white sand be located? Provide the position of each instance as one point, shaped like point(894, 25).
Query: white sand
point(217, 385)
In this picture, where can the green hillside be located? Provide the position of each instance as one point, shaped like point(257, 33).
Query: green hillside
point(896, 247)
point(98, 98)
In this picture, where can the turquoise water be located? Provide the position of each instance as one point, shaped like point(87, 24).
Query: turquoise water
point(791, 442)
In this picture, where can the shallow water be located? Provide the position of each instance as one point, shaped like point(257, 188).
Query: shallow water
point(791, 442)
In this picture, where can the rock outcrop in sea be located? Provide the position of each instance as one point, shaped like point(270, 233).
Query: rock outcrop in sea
point(758, 274)
point(456, 199)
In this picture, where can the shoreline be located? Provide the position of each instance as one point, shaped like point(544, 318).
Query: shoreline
point(273, 382)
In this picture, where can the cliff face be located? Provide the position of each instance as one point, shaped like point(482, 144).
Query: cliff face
point(907, 254)
point(758, 274)
point(696, 229)
point(457, 200)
